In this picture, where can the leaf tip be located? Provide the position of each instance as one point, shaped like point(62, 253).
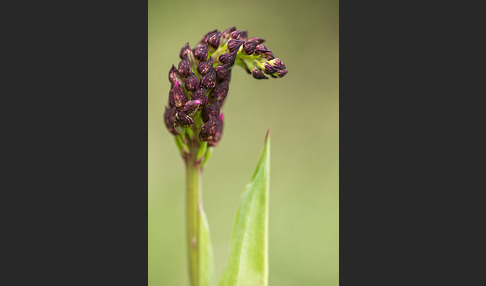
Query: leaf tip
point(267, 136)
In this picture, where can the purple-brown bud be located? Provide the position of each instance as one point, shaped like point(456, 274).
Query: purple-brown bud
point(281, 73)
point(249, 47)
point(169, 118)
point(269, 69)
point(204, 67)
point(268, 56)
point(234, 45)
point(209, 129)
point(219, 132)
point(209, 80)
point(185, 51)
point(239, 35)
point(220, 91)
point(210, 110)
point(261, 48)
point(228, 58)
point(279, 64)
point(176, 96)
point(184, 68)
point(200, 95)
point(201, 53)
point(226, 35)
point(214, 40)
point(191, 83)
point(208, 35)
point(182, 119)
point(174, 75)
point(223, 71)
point(191, 107)
point(257, 40)
point(258, 74)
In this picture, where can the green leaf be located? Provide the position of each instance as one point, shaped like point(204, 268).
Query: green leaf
point(248, 261)
point(206, 260)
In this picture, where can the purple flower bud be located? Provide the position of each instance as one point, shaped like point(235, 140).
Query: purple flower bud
point(223, 71)
point(210, 110)
point(225, 36)
point(281, 73)
point(204, 67)
point(191, 83)
point(209, 129)
point(239, 35)
point(258, 74)
point(209, 80)
point(249, 47)
point(234, 45)
point(174, 75)
point(219, 132)
point(268, 56)
point(200, 95)
point(261, 48)
point(257, 40)
point(269, 69)
point(214, 39)
point(201, 53)
point(176, 96)
point(279, 64)
point(169, 118)
point(185, 51)
point(206, 37)
point(228, 58)
point(220, 91)
point(191, 107)
point(182, 119)
point(184, 68)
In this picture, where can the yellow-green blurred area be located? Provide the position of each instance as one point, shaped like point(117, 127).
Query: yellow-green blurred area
point(301, 110)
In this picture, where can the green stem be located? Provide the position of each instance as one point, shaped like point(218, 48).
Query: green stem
point(201, 266)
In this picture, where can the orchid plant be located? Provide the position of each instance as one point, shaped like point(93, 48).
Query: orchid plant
point(199, 87)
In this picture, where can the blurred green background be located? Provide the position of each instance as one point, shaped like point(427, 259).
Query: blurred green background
point(302, 112)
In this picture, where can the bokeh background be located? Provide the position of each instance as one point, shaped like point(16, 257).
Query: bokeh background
point(302, 112)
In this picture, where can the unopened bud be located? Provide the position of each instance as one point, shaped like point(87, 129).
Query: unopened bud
point(208, 35)
point(234, 45)
point(200, 95)
point(281, 73)
point(185, 51)
point(249, 47)
point(176, 96)
point(169, 118)
point(214, 40)
point(239, 35)
point(174, 75)
point(261, 48)
point(258, 74)
point(268, 55)
point(201, 53)
point(191, 83)
point(219, 132)
point(220, 91)
point(257, 40)
point(204, 67)
point(223, 71)
point(209, 80)
point(184, 68)
point(226, 35)
point(210, 110)
point(191, 107)
point(209, 129)
point(182, 119)
point(269, 69)
point(228, 58)
point(279, 64)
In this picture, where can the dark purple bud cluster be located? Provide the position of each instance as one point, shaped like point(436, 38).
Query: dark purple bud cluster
point(200, 83)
